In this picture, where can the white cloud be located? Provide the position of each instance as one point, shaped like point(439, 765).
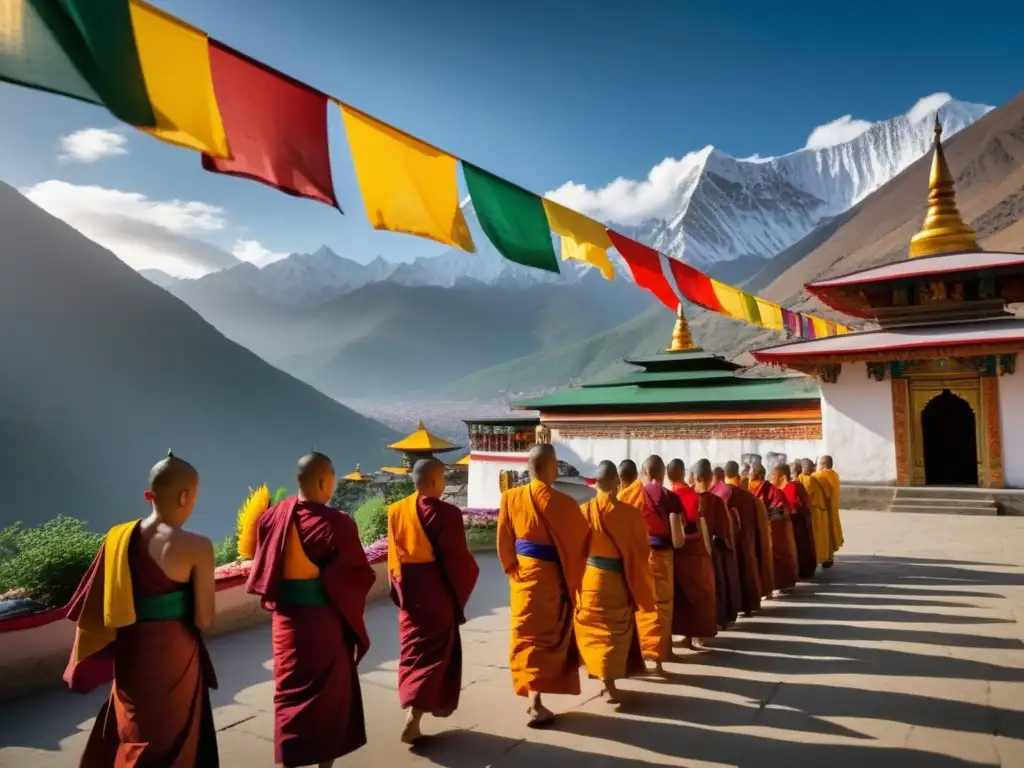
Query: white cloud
point(254, 252)
point(92, 144)
point(144, 233)
point(927, 106)
point(839, 130)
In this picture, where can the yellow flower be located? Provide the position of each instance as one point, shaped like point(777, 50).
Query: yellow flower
point(248, 518)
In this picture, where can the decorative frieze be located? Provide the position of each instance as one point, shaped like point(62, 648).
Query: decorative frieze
point(689, 431)
point(985, 366)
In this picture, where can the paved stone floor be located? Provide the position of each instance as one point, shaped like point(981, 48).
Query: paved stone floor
point(909, 653)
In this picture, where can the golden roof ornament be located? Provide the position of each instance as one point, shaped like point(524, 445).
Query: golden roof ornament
point(682, 340)
point(944, 230)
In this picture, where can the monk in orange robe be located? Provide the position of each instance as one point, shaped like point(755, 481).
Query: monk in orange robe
point(631, 487)
point(830, 481)
point(616, 583)
point(432, 575)
point(748, 544)
point(543, 545)
point(139, 611)
point(784, 562)
point(803, 524)
point(694, 614)
point(818, 498)
point(310, 570)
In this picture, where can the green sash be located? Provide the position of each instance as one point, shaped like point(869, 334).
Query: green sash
point(613, 564)
point(302, 592)
point(173, 605)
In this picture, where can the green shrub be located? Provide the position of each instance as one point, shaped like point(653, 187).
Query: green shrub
point(399, 490)
point(348, 494)
point(47, 562)
point(227, 551)
point(279, 495)
point(372, 519)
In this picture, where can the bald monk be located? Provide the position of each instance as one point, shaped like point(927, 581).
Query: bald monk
point(675, 471)
point(765, 565)
point(139, 611)
point(748, 536)
point(803, 525)
point(830, 480)
point(784, 562)
point(816, 495)
point(616, 583)
point(432, 574)
point(631, 487)
point(311, 572)
point(723, 551)
point(659, 507)
point(695, 611)
point(543, 544)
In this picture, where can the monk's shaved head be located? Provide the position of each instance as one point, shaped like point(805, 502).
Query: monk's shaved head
point(719, 474)
point(732, 469)
point(757, 471)
point(627, 471)
point(428, 477)
point(825, 462)
point(170, 475)
point(607, 477)
point(807, 466)
point(315, 474)
point(654, 468)
point(543, 463)
point(782, 470)
point(702, 470)
point(676, 471)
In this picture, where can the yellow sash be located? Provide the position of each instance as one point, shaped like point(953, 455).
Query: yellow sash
point(296, 564)
point(407, 540)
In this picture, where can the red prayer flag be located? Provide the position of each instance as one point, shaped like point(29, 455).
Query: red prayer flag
point(695, 286)
point(645, 265)
point(276, 127)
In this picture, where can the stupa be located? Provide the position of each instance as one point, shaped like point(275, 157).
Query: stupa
point(928, 397)
point(421, 444)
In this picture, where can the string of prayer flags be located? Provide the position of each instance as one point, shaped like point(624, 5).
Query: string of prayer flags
point(276, 127)
point(512, 218)
point(770, 313)
point(645, 265)
point(695, 286)
point(84, 49)
point(583, 239)
point(172, 54)
point(407, 185)
point(820, 327)
point(736, 303)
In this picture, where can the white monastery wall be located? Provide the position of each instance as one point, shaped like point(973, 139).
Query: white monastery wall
point(483, 490)
point(856, 426)
point(1011, 415)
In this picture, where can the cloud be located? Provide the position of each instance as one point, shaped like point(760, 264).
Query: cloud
point(92, 144)
point(927, 106)
point(144, 233)
point(838, 131)
point(254, 252)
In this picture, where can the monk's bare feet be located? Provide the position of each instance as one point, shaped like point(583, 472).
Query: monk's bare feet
point(611, 693)
point(412, 733)
point(540, 716)
point(699, 644)
point(828, 564)
point(659, 669)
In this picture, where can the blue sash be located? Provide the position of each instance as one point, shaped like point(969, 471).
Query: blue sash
point(536, 551)
point(612, 564)
point(659, 542)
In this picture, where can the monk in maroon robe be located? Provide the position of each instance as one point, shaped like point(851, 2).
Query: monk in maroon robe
point(748, 535)
point(723, 545)
point(311, 572)
point(139, 610)
point(803, 526)
point(432, 575)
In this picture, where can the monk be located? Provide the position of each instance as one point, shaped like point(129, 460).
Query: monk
point(616, 583)
point(138, 613)
point(659, 507)
point(543, 545)
point(695, 610)
point(803, 524)
point(310, 571)
point(784, 561)
point(818, 499)
point(723, 550)
point(745, 477)
point(631, 487)
point(674, 473)
point(748, 540)
point(432, 574)
point(831, 484)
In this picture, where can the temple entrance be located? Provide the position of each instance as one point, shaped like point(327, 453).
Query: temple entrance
point(949, 441)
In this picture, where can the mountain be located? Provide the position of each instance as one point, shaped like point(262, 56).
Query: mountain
point(103, 372)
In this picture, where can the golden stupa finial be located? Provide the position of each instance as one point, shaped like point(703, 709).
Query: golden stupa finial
point(944, 230)
point(681, 338)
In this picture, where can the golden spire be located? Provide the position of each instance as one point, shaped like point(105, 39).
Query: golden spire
point(681, 338)
point(944, 230)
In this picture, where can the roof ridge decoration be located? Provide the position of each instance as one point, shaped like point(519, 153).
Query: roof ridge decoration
point(682, 339)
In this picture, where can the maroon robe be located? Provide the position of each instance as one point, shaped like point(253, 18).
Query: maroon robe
point(431, 600)
point(747, 547)
point(159, 709)
point(781, 523)
point(721, 526)
point(318, 706)
point(803, 528)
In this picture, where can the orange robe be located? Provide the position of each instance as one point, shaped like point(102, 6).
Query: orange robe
point(765, 557)
point(616, 583)
point(819, 517)
point(784, 559)
point(655, 627)
point(830, 480)
point(543, 544)
point(633, 494)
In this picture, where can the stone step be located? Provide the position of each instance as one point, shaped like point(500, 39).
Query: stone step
point(933, 509)
point(978, 501)
point(964, 494)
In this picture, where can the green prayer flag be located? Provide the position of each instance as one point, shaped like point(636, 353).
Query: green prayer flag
point(512, 218)
point(750, 308)
point(84, 49)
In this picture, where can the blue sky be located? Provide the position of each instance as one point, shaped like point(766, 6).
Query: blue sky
point(540, 92)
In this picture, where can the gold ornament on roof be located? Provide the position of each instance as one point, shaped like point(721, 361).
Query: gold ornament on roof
point(682, 340)
point(944, 230)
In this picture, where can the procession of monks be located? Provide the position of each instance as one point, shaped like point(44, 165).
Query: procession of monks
point(605, 585)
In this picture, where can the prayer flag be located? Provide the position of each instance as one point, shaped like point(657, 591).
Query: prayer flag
point(695, 286)
point(79, 48)
point(512, 218)
point(806, 326)
point(645, 265)
point(820, 327)
point(175, 59)
point(735, 303)
point(790, 321)
point(407, 185)
point(276, 127)
point(583, 239)
point(771, 314)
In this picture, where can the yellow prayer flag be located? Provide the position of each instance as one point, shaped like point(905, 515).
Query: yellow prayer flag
point(583, 239)
point(12, 27)
point(730, 299)
point(820, 327)
point(175, 61)
point(407, 185)
point(771, 314)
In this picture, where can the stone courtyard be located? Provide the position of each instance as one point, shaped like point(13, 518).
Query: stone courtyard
point(910, 652)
